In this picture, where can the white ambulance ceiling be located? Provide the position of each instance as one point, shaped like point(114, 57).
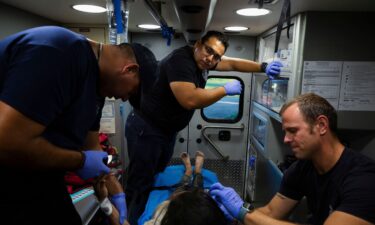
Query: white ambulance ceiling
point(224, 12)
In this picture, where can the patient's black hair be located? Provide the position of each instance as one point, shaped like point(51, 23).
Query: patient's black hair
point(193, 208)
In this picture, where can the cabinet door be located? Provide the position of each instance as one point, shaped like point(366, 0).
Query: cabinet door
point(289, 53)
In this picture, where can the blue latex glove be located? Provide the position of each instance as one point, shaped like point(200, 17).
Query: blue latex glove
point(228, 197)
point(273, 69)
point(224, 210)
point(93, 165)
point(233, 88)
point(120, 203)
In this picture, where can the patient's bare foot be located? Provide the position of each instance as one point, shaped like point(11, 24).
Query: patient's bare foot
point(186, 160)
point(199, 159)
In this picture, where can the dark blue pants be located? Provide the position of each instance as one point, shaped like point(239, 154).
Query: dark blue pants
point(150, 151)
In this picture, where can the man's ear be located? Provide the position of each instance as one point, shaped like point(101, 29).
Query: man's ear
point(197, 44)
point(131, 67)
point(323, 124)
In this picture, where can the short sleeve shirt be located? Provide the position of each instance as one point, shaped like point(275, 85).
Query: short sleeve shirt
point(348, 187)
point(160, 105)
point(50, 75)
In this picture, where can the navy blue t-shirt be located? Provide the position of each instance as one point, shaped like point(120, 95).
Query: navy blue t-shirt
point(50, 75)
point(160, 106)
point(348, 187)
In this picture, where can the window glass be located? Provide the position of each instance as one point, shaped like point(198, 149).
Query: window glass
point(226, 110)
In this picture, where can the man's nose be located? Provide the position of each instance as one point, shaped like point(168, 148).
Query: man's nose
point(287, 139)
point(210, 57)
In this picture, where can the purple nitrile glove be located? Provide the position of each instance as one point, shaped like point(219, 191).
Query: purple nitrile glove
point(273, 69)
point(120, 203)
point(224, 210)
point(233, 88)
point(93, 164)
point(228, 197)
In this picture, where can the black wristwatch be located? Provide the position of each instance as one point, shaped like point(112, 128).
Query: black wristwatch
point(263, 67)
point(246, 208)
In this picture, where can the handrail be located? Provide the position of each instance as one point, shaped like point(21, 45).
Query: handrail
point(167, 31)
point(154, 12)
point(216, 148)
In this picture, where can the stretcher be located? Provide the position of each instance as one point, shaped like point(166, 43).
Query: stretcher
point(165, 183)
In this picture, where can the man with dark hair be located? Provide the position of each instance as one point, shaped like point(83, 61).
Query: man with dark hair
point(52, 87)
point(169, 105)
point(338, 182)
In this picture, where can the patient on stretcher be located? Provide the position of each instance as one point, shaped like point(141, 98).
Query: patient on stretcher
point(189, 204)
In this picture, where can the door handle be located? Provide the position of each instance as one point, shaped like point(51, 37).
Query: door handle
point(215, 147)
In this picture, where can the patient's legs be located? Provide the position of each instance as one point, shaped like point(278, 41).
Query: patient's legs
point(198, 178)
point(188, 170)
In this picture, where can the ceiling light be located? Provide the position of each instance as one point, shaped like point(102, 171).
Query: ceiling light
point(236, 28)
point(89, 8)
point(149, 26)
point(252, 12)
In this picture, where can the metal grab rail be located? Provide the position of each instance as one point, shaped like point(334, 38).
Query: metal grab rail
point(155, 13)
point(167, 32)
point(216, 148)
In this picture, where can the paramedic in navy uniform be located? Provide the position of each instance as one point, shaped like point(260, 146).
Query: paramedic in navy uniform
point(50, 83)
point(169, 105)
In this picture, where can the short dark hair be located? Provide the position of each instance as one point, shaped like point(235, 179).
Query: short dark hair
point(127, 51)
point(311, 106)
point(194, 207)
point(220, 36)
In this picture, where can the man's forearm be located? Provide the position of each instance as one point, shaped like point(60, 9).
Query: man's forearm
point(258, 218)
point(38, 154)
point(205, 97)
point(243, 65)
point(237, 64)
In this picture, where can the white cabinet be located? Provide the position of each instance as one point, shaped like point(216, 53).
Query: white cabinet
point(329, 37)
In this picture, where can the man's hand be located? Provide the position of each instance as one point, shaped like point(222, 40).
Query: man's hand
point(120, 203)
point(273, 69)
point(224, 210)
point(93, 164)
point(233, 88)
point(228, 197)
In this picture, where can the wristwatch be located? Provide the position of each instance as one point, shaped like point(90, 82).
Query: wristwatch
point(263, 67)
point(246, 208)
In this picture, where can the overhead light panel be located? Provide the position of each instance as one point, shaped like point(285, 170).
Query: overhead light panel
point(89, 8)
point(236, 28)
point(252, 12)
point(149, 26)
